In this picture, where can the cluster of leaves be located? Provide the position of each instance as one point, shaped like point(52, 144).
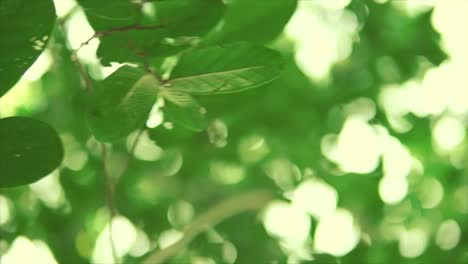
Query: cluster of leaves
point(122, 102)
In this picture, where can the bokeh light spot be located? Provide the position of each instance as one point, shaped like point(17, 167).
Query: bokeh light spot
point(340, 225)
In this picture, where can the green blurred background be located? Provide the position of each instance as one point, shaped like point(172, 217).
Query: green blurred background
point(362, 140)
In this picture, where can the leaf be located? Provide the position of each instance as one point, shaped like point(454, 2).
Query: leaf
point(225, 69)
point(121, 103)
point(25, 27)
point(255, 21)
point(105, 14)
point(29, 150)
point(135, 32)
point(185, 112)
point(189, 17)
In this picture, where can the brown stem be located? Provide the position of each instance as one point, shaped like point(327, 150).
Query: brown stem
point(250, 201)
point(82, 71)
point(106, 32)
point(110, 200)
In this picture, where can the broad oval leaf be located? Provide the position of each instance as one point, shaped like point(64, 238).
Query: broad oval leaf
point(121, 103)
point(225, 69)
point(25, 27)
point(29, 150)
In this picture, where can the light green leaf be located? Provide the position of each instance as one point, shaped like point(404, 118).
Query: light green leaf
point(29, 150)
point(121, 103)
point(225, 69)
point(25, 27)
point(184, 111)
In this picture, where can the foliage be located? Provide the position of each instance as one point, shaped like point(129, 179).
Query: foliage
point(214, 132)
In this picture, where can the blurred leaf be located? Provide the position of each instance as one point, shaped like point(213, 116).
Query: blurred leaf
point(257, 21)
point(105, 14)
point(29, 150)
point(168, 138)
point(188, 113)
point(25, 27)
point(188, 17)
point(225, 69)
point(121, 103)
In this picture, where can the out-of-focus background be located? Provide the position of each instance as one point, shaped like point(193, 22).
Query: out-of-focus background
point(363, 139)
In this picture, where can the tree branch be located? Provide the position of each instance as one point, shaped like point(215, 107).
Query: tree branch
point(110, 200)
point(87, 83)
point(250, 201)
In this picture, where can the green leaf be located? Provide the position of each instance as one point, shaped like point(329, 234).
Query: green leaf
point(255, 21)
point(185, 111)
point(105, 14)
point(121, 103)
point(189, 17)
point(133, 34)
point(225, 69)
point(25, 27)
point(29, 151)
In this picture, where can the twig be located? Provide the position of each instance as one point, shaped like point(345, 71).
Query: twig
point(81, 69)
point(87, 81)
point(62, 20)
point(110, 200)
point(250, 201)
point(106, 32)
point(128, 28)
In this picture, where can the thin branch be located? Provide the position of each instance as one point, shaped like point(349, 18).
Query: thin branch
point(128, 28)
point(62, 20)
point(106, 32)
point(110, 200)
point(86, 79)
point(87, 83)
point(250, 201)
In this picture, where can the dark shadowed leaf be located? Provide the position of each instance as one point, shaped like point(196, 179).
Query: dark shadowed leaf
point(121, 103)
point(25, 27)
point(29, 150)
point(225, 69)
